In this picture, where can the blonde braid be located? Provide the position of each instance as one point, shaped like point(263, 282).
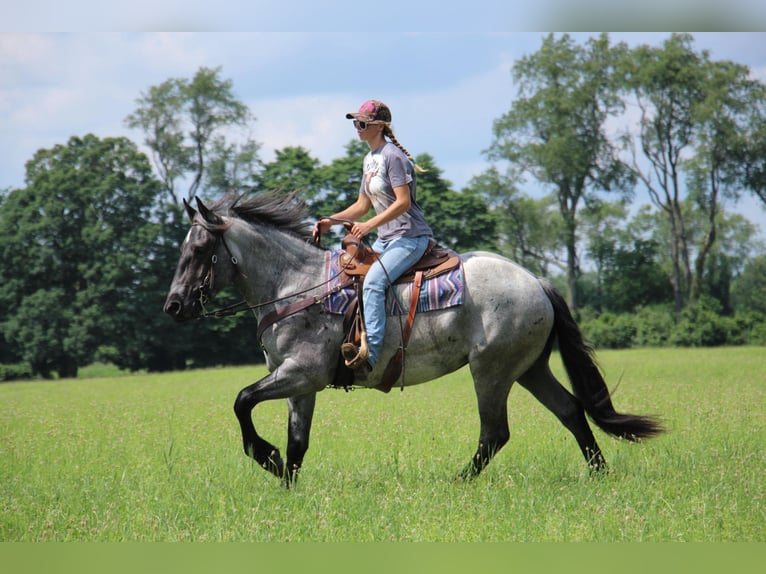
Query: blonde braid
point(387, 131)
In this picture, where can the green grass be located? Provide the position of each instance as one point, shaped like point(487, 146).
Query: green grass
point(158, 458)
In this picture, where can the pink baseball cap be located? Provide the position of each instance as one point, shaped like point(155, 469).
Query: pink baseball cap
point(371, 111)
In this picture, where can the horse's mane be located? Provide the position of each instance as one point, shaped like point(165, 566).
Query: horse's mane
point(284, 211)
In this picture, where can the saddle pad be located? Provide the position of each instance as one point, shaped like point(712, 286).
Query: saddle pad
point(440, 292)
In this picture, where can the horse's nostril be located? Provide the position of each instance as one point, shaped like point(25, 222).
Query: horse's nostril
point(173, 308)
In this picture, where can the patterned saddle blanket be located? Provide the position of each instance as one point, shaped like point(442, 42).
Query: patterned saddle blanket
point(439, 292)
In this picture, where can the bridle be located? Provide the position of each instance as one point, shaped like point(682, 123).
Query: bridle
point(208, 281)
point(208, 284)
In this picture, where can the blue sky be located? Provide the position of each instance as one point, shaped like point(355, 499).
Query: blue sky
point(445, 78)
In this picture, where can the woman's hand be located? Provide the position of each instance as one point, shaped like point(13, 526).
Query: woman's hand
point(362, 228)
point(320, 228)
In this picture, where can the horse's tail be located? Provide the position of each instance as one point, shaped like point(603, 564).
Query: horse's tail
point(587, 382)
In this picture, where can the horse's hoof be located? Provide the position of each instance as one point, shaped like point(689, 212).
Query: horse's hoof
point(467, 474)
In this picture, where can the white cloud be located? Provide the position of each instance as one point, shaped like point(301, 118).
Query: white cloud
point(316, 123)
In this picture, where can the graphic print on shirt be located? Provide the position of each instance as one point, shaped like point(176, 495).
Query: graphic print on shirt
point(375, 184)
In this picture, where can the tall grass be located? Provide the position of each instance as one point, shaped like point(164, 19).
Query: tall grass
point(158, 458)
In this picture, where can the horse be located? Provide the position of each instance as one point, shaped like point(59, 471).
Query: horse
point(505, 330)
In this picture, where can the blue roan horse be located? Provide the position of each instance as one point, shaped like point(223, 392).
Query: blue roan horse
point(504, 330)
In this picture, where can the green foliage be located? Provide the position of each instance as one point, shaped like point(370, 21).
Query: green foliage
point(341, 180)
point(15, 372)
point(654, 325)
point(697, 119)
point(700, 325)
point(293, 169)
point(755, 150)
point(556, 128)
point(526, 229)
point(749, 289)
point(747, 328)
point(756, 325)
point(75, 241)
point(460, 220)
point(629, 276)
point(183, 122)
point(610, 331)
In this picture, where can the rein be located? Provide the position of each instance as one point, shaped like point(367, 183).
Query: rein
point(240, 306)
point(235, 308)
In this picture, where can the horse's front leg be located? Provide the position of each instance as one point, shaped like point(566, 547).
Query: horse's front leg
point(262, 451)
point(301, 413)
point(283, 383)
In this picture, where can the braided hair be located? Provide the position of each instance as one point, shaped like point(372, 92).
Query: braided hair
point(389, 133)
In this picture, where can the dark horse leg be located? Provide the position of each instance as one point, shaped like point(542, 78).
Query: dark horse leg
point(262, 451)
point(494, 433)
point(301, 413)
point(301, 409)
point(540, 381)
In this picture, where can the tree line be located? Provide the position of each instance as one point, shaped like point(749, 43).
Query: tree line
point(635, 156)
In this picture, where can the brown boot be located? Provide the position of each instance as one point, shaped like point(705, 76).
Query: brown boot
point(356, 357)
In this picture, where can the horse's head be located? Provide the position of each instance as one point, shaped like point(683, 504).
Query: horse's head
point(205, 266)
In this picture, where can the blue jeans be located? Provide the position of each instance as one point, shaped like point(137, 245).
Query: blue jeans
point(396, 256)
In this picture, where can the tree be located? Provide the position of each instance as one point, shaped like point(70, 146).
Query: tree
point(628, 269)
point(717, 171)
point(749, 289)
point(699, 118)
point(339, 183)
point(459, 220)
point(293, 169)
point(184, 122)
point(755, 166)
point(528, 230)
point(736, 244)
point(556, 128)
point(668, 84)
point(75, 243)
point(602, 229)
point(341, 180)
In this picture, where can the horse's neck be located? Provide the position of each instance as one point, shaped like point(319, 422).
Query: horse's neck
point(276, 264)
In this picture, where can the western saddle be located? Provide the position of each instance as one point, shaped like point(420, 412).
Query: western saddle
point(355, 262)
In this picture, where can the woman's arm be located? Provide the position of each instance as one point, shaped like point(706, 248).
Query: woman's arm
point(399, 206)
point(353, 212)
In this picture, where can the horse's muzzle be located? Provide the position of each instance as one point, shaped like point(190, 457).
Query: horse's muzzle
point(174, 306)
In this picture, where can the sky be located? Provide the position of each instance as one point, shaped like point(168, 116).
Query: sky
point(301, 67)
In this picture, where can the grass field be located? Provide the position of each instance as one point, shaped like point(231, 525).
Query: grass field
point(158, 458)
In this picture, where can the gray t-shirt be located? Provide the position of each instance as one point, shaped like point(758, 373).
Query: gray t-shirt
point(384, 169)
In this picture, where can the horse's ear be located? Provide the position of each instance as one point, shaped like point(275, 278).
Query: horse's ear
point(208, 215)
point(190, 211)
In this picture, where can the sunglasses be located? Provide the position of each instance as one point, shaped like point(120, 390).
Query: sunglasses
point(361, 125)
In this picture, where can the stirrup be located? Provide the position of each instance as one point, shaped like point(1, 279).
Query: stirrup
point(355, 358)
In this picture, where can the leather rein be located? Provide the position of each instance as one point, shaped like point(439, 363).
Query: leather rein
point(270, 318)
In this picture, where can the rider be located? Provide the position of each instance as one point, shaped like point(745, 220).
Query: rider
point(388, 186)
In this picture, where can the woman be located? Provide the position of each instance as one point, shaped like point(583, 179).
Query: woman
point(388, 186)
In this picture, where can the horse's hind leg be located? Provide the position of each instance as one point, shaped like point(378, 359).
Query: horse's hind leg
point(493, 414)
point(540, 381)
